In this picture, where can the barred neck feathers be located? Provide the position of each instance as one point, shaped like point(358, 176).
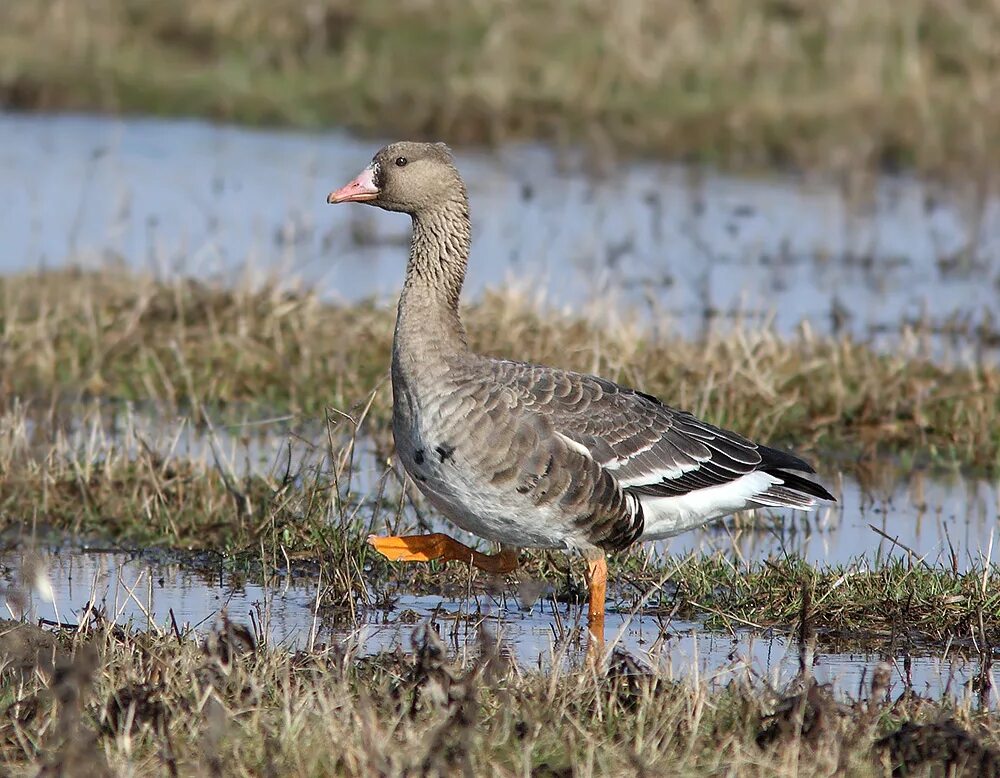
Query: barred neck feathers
point(439, 251)
point(428, 319)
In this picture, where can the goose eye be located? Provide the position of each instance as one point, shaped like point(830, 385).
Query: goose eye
point(400, 161)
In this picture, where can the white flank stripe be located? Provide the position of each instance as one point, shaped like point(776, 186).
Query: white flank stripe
point(666, 516)
point(621, 462)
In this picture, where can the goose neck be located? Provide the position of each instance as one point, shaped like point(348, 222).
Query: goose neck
point(428, 322)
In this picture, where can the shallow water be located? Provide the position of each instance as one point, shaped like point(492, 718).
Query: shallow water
point(697, 248)
point(944, 520)
point(160, 595)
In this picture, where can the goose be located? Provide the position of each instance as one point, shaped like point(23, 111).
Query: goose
point(531, 456)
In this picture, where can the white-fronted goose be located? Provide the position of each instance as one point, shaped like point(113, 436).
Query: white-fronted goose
point(532, 456)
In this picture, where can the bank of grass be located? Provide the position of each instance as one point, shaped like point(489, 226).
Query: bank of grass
point(104, 700)
point(743, 82)
point(897, 604)
point(182, 344)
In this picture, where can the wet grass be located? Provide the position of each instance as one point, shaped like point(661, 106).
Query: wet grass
point(893, 604)
point(184, 345)
point(742, 82)
point(132, 407)
point(302, 510)
point(104, 700)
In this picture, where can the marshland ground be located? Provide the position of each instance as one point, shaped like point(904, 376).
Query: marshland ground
point(194, 402)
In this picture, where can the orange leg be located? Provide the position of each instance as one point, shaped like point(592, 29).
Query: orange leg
point(597, 585)
point(424, 548)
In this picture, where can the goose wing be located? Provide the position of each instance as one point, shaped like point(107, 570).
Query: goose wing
point(652, 450)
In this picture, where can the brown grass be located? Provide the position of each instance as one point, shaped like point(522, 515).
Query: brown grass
point(109, 701)
point(744, 82)
point(69, 336)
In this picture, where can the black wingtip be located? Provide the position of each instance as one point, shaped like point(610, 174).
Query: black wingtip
point(800, 484)
point(782, 460)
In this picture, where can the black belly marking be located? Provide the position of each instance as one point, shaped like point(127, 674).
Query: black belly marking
point(445, 451)
point(418, 456)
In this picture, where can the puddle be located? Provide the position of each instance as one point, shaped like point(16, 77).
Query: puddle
point(945, 520)
point(159, 595)
point(698, 248)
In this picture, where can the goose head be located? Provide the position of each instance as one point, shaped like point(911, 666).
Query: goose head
point(406, 176)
